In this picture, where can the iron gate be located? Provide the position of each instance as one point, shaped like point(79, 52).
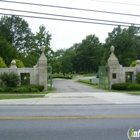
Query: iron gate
point(103, 77)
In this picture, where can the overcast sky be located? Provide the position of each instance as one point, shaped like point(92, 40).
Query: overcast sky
point(65, 34)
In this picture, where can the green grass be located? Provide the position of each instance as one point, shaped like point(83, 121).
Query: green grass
point(19, 96)
point(87, 82)
point(89, 74)
point(25, 95)
point(43, 92)
point(131, 92)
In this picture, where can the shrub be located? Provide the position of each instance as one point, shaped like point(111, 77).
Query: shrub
point(7, 89)
point(23, 89)
point(20, 90)
point(10, 79)
point(120, 86)
point(133, 87)
point(61, 76)
point(126, 86)
point(138, 77)
point(2, 63)
point(19, 63)
point(39, 87)
point(34, 90)
point(1, 90)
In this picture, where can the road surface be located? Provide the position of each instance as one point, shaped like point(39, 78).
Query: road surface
point(97, 122)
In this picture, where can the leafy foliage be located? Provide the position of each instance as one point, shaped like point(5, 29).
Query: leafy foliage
point(19, 63)
point(16, 31)
point(120, 86)
point(133, 63)
point(2, 63)
point(126, 43)
point(7, 52)
point(23, 89)
point(138, 77)
point(126, 86)
point(62, 76)
point(39, 87)
point(10, 79)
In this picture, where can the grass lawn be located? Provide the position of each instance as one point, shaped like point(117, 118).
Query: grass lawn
point(131, 92)
point(118, 91)
point(89, 74)
point(87, 82)
point(25, 95)
point(14, 96)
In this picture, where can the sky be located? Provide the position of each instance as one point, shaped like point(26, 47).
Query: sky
point(65, 34)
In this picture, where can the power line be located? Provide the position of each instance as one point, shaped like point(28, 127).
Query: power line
point(70, 8)
point(116, 2)
point(69, 16)
point(67, 20)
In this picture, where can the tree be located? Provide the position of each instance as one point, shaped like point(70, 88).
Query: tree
point(133, 63)
point(88, 54)
point(17, 32)
point(2, 63)
point(56, 61)
point(125, 42)
point(43, 39)
point(19, 63)
point(7, 52)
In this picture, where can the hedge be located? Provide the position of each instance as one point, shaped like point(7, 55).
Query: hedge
point(23, 89)
point(126, 86)
point(64, 77)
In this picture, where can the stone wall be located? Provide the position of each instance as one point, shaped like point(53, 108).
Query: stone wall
point(38, 74)
point(116, 72)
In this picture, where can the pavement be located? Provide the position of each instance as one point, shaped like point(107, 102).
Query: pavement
point(71, 93)
point(77, 98)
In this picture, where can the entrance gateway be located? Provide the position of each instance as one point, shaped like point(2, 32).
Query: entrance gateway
point(38, 74)
point(117, 73)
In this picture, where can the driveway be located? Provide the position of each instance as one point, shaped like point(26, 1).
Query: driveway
point(65, 86)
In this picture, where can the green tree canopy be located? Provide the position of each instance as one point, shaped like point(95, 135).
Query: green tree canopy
point(19, 63)
point(7, 52)
point(2, 63)
point(17, 32)
point(88, 54)
point(126, 44)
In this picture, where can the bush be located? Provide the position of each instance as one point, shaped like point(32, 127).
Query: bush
point(39, 87)
point(2, 63)
point(19, 63)
point(126, 86)
point(61, 76)
point(23, 89)
point(138, 77)
point(10, 79)
point(34, 90)
point(1, 90)
point(135, 87)
point(120, 86)
point(20, 90)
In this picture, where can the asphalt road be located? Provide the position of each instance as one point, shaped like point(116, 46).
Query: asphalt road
point(68, 121)
point(64, 86)
point(99, 122)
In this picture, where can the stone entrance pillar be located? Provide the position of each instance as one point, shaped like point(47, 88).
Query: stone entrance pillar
point(42, 69)
point(114, 68)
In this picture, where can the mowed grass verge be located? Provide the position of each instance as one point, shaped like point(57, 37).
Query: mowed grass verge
point(87, 82)
point(15, 96)
point(25, 95)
